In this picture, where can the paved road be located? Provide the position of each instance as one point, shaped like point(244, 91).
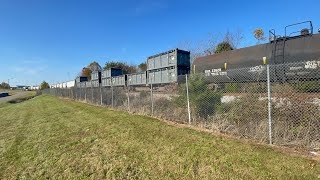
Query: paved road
point(8, 98)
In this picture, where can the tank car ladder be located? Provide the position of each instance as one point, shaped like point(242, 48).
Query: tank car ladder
point(278, 55)
point(278, 51)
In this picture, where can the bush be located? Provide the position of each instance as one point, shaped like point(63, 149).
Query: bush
point(207, 103)
point(307, 87)
point(4, 85)
point(203, 100)
point(144, 94)
point(119, 97)
point(223, 46)
point(44, 85)
point(231, 88)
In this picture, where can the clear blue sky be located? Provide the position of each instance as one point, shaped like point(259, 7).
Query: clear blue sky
point(53, 40)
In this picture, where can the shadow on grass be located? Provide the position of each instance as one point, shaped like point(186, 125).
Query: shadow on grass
point(19, 100)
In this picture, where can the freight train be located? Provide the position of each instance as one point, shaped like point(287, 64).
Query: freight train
point(291, 56)
point(163, 68)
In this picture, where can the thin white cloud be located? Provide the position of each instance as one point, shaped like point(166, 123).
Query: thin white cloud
point(32, 60)
point(29, 70)
point(32, 66)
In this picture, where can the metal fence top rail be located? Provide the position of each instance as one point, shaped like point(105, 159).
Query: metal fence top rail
point(171, 51)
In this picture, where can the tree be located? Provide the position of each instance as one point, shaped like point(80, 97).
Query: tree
point(4, 85)
point(44, 85)
point(86, 72)
point(209, 45)
point(142, 67)
point(223, 46)
point(126, 69)
point(259, 35)
point(93, 66)
point(234, 39)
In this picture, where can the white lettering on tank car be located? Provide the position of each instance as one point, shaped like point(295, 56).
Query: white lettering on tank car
point(258, 69)
point(295, 68)
point(312, 64)
point(215, 72)
point(207, 72)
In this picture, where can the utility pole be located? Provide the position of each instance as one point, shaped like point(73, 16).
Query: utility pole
point(9, 81)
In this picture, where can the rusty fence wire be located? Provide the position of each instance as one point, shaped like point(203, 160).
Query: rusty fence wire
point(276, 104)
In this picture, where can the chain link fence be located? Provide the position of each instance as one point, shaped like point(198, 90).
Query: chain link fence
point(277, 104)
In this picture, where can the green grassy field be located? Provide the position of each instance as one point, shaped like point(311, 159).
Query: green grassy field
point(47, 137)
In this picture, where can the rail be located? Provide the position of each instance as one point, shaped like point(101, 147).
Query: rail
point(305, 22)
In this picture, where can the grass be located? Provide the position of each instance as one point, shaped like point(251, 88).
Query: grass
point(27, 96)
point(51, 138)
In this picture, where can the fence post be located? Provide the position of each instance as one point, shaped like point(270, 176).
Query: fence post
point(269, 105)
point(85, 94)
point(128, 98)
point(101, 95)
point(151, 88)
point(75, 93)
point(92, 93)
point(111, 93)
point(187, 87)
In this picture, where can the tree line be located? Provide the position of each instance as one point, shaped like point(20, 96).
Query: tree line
point(4, 85)
point(218, 43)
point(126, 68)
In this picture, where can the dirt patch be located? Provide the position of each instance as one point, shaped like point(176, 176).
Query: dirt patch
point(19, 100)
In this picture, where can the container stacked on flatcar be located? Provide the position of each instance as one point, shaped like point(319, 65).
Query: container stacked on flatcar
point(136, 79)
point(95, 79)
point(70, 84)
point(88, 84)
point(112, 77)
point(81, 81)
point(165, 67)
point(119, 80)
